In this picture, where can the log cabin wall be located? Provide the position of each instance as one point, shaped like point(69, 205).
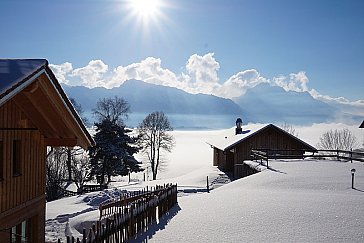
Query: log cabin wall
point(270, 138)
point(219, 159)
point(22, 178)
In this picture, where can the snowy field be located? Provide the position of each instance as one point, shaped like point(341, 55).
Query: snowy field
point(306, 201)
point(297, 201)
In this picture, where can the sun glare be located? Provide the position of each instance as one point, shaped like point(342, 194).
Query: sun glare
point(145, 8)
point(147, 16)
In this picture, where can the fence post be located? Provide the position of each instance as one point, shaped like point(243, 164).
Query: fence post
point(84, 235)
point(132, 221)
point(207, 184)
point(351, 155)
point(129, 220)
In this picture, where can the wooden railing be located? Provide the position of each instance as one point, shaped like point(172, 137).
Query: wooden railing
point(93, 188)
point(338, 154)
point(67, 193)
point(85, 189)
point(121, 220)
point(266, 154)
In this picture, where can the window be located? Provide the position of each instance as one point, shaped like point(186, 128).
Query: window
point(1, 160)
point(20, 233)
point(16, 157)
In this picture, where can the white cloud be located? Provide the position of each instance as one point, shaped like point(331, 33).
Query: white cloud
point(201, 76)
point(61, 71)
point(239, 83)
point(345, 105)
point(91, 75)
point(296, 82)
point(203, 68)
point(202, 73)
point(148, 70)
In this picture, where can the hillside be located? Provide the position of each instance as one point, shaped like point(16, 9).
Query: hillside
point(262, 104)
point(145, 98)
point(265, 103)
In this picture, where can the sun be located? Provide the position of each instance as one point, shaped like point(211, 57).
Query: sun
point(147, 17)
point(145, 9)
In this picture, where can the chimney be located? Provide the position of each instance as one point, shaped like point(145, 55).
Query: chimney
point(238, 129)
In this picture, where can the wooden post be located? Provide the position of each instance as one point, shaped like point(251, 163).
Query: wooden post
point(132, 221)
point(84, 235)
point(207, 184)
point(352, 178)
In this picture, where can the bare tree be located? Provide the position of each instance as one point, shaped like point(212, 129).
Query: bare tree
point(113, 109)
point(71, 153)
point(56, 172)
point(79, 110)
point(81, 168)
point(290, 129)
point(154, 138)
point(336, 139)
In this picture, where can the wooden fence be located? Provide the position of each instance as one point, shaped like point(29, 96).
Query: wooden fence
point(92, 188)
point(123, 219)
point(266, 154)
point(84, 189)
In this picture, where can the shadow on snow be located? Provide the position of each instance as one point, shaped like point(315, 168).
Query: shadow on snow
point(155, 227)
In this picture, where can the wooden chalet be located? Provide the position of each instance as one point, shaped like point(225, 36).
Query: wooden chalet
point(230, 149)
point(34, 113)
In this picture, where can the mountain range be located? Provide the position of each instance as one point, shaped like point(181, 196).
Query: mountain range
point(263, 103)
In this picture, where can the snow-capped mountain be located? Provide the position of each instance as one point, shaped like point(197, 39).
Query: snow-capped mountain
point(144, 98)
point(263, 103)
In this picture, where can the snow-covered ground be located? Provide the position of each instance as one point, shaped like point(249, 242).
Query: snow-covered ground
point(297, 201)
point(306, 201)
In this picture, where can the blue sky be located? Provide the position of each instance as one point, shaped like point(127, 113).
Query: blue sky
point(300, 45)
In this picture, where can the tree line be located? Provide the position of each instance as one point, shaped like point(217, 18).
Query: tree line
point(114, 151)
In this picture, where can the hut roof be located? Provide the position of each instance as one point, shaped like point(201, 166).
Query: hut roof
point(228, 139)
point(37, 92)
point(362, 125)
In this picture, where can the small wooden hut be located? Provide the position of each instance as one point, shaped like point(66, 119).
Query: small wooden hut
point(34, 113)
point(233, 147)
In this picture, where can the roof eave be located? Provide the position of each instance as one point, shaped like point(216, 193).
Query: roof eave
point(68, 104)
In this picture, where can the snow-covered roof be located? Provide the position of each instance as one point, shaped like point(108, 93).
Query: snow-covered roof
point(228, 139)
point(362, 125)
point(13, 72)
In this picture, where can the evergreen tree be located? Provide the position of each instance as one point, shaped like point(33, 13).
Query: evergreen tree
point(113, 153)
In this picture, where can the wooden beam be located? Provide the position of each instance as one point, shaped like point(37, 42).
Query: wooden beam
point(57, 103)
point(60, 104)
point(37, 118)
point(57, 142)
point(32, 87)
